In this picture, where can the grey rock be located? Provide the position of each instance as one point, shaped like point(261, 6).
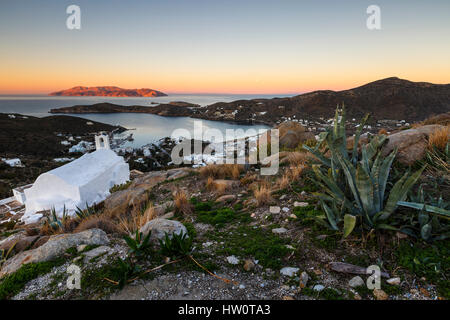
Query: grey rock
point(393, 281)
point(226, 198)
point(96, 252)
point(81, 247)
point(232, 260)
point(301, 204)
point(289, 271)
point(53, 248)
point(159, 227)
point(279, 230)
point(274, 209)
point(411, 143)
point(356, 282)
point(318, 287)
point(304, 278)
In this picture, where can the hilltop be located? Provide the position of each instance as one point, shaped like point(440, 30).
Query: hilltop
point(390, 98)
point(108, 91)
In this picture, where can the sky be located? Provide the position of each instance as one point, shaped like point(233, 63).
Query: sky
point(218, 46)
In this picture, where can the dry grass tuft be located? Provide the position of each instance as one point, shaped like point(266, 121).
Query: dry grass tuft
point(97, 222)
point(439, 138)
point(283, 182)
point(263, 195)
point(221, 171)
point(295, 172)
point(220, 188)
point(136, 220)
point(297, 158)
point(46, 230)
point(210, 183)
point(182, 204)
point(383, 131)
point(236, 171)
point(248, 178)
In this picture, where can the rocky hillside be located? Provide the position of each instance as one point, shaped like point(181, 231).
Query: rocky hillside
point(108, 91)
point(26, 135)
point(390, 98)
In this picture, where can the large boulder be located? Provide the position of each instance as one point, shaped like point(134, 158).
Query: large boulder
point(53, 248)
point(8, 242)
point(20, 241)
point(411, 143)
point(159, 227)
point(136, 194)
point(291, 135)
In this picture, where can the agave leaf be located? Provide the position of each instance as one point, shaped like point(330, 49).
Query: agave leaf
point(374, 145)
point(318, 155)
point(130, 242)
point(386, 227)
point(356, 140)
point(349, 172)
point(345, 203)
point(399, 192)
point(365, 190)
point(384, 175)
point(339, 122)
point(365, 159)
point(349, 224)
point(331, 184)
point(330, 216)
point(375, 175)
point(423, 218)
point(408, 231)
point(420, 206)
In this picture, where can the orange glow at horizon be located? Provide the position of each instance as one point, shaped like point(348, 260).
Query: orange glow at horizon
point(35, 84)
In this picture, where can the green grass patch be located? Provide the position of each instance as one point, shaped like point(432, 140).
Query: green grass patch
point(14, 283)
point(246, 241)
point(307, 215)
point(429, 261)
point(209, 212)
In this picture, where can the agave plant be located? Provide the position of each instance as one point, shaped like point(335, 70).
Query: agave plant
point(139, 245)
point(355, 186)
point(437, 205)
point(179, 244)
point(429, 228)
point(83, 214)
point(54, 222)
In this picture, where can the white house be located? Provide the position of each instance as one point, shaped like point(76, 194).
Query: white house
point(86, 180)
point(13, 162)
point(19, 193)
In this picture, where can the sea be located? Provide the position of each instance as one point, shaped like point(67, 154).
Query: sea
point(146, 128)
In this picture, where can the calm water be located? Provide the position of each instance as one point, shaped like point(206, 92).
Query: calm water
point(148, 127)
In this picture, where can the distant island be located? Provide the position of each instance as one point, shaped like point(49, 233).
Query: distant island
point(171, 109)
point(108, 91)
